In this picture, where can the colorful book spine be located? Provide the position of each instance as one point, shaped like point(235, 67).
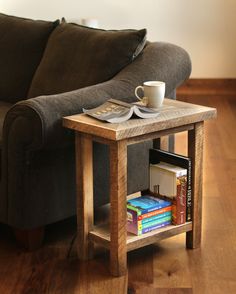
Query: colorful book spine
point(189, 192)
point(137, 227)
point(179, 202)
point(155, 217)
point(155, 212)
point(158, 226)
point(147, 211)
point(155, 222)
point(134, 219)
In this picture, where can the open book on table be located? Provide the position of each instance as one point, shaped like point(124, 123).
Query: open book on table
point(116, 111)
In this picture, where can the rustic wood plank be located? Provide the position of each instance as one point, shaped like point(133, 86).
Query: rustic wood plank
point(160, 134)
point(84, 184)
point(102, 140)
point(101, 235)
point(48, 270)
point(141, 268)
point(118, 193)
point(172, 114)
point(164, 144)
point(195, 152)
point(135, 242)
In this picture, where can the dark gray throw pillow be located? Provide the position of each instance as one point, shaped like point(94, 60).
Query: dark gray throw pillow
point(78, 56)
point(22, 43)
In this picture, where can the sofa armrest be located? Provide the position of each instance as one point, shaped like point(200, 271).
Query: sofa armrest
point(41, 117)
point(159, 61)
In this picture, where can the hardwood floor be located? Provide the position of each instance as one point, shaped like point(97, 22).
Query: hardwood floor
point(165, 267)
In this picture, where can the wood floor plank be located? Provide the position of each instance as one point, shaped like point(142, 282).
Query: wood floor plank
point(140, 264)
point(166, 267)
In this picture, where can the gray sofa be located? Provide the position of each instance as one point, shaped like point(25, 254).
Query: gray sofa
point(49, 70)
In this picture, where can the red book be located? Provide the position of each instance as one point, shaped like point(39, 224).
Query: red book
point(179, 202)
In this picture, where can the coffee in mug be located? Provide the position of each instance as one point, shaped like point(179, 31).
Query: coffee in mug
point(153, 92)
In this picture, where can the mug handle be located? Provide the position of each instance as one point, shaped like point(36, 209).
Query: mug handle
point(136, 92)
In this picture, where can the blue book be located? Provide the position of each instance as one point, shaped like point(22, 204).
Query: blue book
point(158, 226)
point(156, 217)
point(138, 228)
point(155, 222)
point(144, 204)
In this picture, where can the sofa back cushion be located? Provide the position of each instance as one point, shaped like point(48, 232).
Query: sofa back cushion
point(22, 43)
point(78, 56)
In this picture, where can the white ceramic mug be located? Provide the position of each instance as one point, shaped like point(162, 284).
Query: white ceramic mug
point(153, 91)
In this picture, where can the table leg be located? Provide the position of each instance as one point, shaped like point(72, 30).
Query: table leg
point(118, 194)
point(195, 151)
point(84, 184)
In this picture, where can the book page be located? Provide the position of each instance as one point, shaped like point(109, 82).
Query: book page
point(116, 111)
point(145, 112)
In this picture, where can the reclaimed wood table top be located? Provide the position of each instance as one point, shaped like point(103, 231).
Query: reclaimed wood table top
point(173, 114)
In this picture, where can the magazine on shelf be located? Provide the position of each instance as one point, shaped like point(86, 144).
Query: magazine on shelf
point(116, 111)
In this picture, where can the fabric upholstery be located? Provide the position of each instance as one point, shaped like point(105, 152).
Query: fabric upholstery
point(38, 154)
point(22, 43)
point(4, 107)
point(148, 66)
point(78, 56)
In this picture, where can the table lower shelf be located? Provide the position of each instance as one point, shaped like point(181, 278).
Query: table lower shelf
point(101, 235)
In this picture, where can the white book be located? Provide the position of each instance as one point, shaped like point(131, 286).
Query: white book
point(163, 176)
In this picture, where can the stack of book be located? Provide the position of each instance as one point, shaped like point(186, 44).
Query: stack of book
point(147, 213)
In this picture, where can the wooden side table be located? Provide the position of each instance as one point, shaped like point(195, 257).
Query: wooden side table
point(174, 117)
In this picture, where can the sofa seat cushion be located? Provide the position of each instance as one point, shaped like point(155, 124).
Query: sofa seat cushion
point(22, 43)
point(4, 107)
point(78, 56)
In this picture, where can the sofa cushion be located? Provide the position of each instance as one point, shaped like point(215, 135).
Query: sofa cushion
point(4, 107)
point(22, 43)
point(78, 56)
